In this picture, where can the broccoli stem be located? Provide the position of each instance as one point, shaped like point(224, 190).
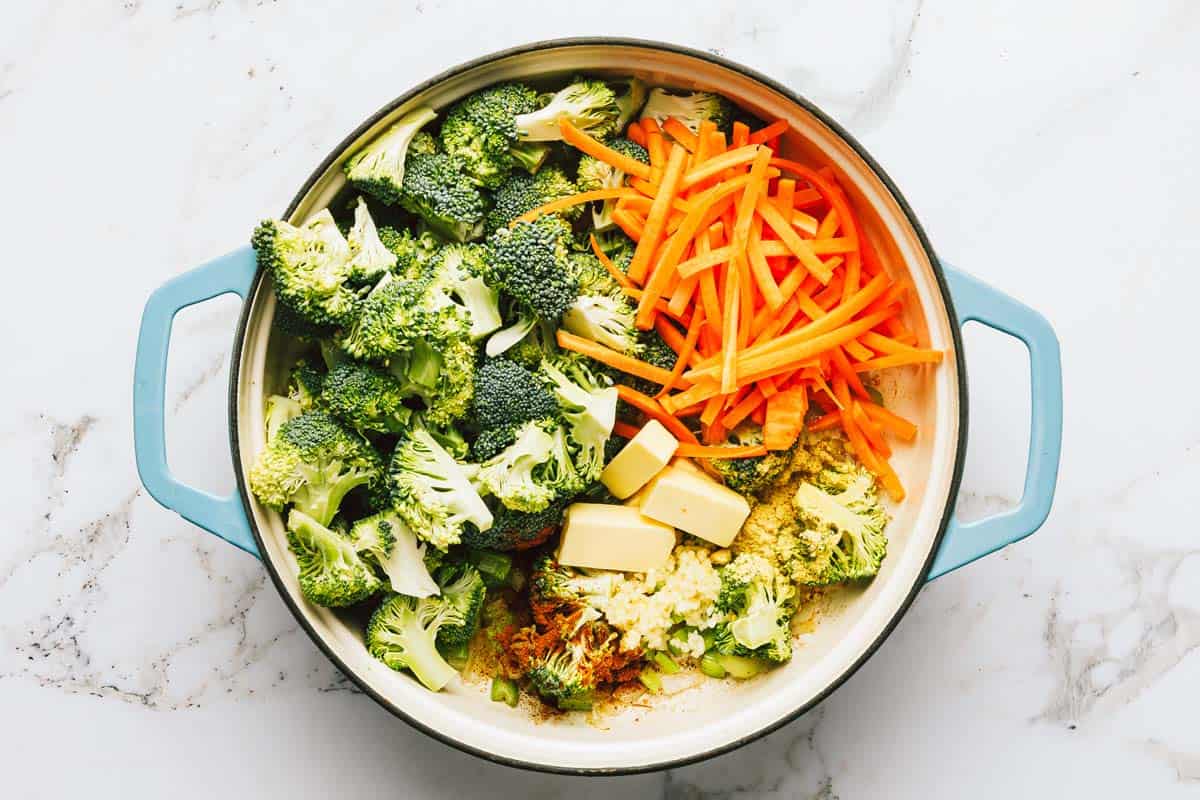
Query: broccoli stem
point(457, 655)
point(505, 691)
point(579, 702)
point(494, 567)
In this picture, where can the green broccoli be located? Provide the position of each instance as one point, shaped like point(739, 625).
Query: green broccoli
point(423, 144)
point(313, 462)
point(569, 674)
point(589, 405)
point(332, 573)
point(387, 320)
point(605, 319)
point(593, 277)
point(760, 603)
point(379, 168)
point(596, 174)
point(461, 587)
point(507, 394)
point(369, 257)
point(291, 323)
point(616, 245)
point(460, 271)
point(306, 384)
point(385, 541)
point(415, 253)
point(652, 349)
point(690, 108)
point(492, 441)
point(433, 492)
point(523, 476)
point(280, 409)
point(599, 108)
point(842, 514)
point(749, 476)
point(367, 398)
point(553, 584)
point(522, 193)
point(441, 372)
point(402, 633)
point(537, 343)
point(530, 262)
point(436, 190)
point(480, 130)
point(309, 266)
point(516, 530)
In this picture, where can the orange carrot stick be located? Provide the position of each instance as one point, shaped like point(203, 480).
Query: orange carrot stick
point(680, 133)
point(684, 356)
point(575, 200)
point(900, 360)
point(650, 407)
point(598, 150)
point(893, 423)
point(870, 430)
point(618, 276)
point(717, 164)
point(624, 429)
point(618, 361)
point(762, 135)
point(657, 218)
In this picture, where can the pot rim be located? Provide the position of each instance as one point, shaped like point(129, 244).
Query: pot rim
point(955, 333)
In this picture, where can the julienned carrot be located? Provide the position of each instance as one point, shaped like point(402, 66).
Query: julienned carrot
point(785, 418)
point(720, 451)
point(717, 164)
point(820, 247)
point(885, 344)
point(799, 247)
point(620, 277)
point(729, 329)
point(857, 351)
point(763, 135)
point(755, 189)
point(905, 359)
point(680, 133)
point(740, 134)
point(618, 361)
point(703, 261)
point(650, 407)
point(625, 430)
point(831, 420)
point(889, 421)
point(806, 223)
point(598, 150)
point(636, 134)
point(712, 408)
point(684, 356)
point(891, 481)
point(870, 430)
point(743, 409)
point(656, 220)
point(842, 364)
point(761, 270)
point(828, 226)
point(575, 200)
point(630, 223)
point(805, 198)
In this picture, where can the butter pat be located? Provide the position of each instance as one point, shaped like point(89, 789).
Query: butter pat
point(640, 460)
point(601, 536)
point(691, 501)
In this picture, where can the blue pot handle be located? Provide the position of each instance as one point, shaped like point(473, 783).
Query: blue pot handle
point(966, 541)
point(223, 516)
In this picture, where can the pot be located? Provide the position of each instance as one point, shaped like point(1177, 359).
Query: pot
point(925, 539)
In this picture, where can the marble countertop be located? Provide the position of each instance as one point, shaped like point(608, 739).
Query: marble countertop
point(1049, 147)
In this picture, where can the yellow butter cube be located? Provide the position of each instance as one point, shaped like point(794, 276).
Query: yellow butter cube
point(693, 502)
point(640, 460)
point(599, 536)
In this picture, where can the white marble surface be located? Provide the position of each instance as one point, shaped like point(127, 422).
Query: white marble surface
point(1049, 147)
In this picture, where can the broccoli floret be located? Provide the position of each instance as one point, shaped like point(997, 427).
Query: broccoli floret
point(379, 168)
point(415, 253)
point(524, 475)
point(588, 403)
point(596, 174)
point(602, 109)
point(402, 633)
point(423, 144)
point(530, 262)
point(462, 588)
point(749, 476)
point(844, 514)
point(492, 441)
point(433, 492)
point(460, 270)
point(652, 349)
point(480, 130)
point(690, 108)
point(306, 385)
point(440, 371)
point(760, 604)
point(332, 573)
point(369, 257)
point(313, 462)
point(522, 193)
point(537, 343)
point(554, 584)
point(593, 277)
point(291, 323)
point(517, 530)
point(569, 673)
point(389, 544)
point(436, 190)
point(280, 409)
point(388, 319)
point(448, 436)
point(309, 266)
point(605, 319)
point(507, 394)
point(367, 398)
point(616, 245)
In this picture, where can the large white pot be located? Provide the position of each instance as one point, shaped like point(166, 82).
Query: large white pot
point(717, 716)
